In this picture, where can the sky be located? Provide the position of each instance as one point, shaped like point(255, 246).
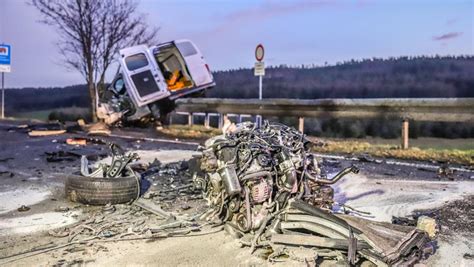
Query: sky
point(227, 32)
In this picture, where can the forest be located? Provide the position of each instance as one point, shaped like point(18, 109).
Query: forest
point(370, 78)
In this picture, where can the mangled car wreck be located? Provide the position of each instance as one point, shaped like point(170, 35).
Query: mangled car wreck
point(269, 191)
point(262, 185)
point(151, 78)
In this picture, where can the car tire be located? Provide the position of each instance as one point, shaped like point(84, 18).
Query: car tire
point(102, 191)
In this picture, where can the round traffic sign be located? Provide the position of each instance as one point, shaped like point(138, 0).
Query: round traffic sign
point(259, 52)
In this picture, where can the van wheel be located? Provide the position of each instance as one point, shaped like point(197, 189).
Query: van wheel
point(102, 191)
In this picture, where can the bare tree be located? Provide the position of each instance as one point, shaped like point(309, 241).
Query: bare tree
point(91, 33)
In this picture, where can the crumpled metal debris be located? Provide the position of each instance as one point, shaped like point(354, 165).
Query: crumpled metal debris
point(124, 222)
point(119, 164)
point(37, 127)
point(23, 208)
point(59, 156)
point(253, 171)
point(269, 190)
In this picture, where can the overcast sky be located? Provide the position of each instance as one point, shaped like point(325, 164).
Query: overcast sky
point(293, 33)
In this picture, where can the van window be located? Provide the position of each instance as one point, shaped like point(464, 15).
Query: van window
point(136, 61)
point(186, 49)
point(119, 85)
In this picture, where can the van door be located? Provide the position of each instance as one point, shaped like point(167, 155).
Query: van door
point(143, 79)
point(195, 62)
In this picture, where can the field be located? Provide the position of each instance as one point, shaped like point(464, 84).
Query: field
point(35, 115)
point(421, 142)
point(71, 113)
point(459, 151)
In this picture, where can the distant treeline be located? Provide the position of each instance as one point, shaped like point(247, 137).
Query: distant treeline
point(371, 78)
point(33, 99)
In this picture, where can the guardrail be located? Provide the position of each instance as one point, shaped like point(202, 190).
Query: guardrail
point(420, 109)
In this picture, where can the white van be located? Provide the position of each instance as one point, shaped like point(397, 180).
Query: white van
point(151, 78)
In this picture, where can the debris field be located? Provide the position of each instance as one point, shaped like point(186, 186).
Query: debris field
point(260, 186)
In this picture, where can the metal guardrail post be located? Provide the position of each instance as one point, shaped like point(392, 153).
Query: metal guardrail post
point(190, 119)
point(405, 126)
point(301, 124)
point(224, 119)
point(221, 121)
point(206, 120)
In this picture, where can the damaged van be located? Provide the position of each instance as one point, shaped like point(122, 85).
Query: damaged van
point(149, 79)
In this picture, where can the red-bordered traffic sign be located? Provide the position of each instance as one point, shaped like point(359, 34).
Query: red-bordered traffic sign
point(259, 52)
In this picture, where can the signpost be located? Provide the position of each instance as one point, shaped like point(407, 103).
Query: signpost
point(259, 70)
point(5, 62)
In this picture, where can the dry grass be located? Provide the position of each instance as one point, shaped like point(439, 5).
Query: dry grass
point(190, 132)
point(390, 151)
point(464, 156)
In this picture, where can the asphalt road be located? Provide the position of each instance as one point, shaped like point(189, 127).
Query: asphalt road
point(27, 178)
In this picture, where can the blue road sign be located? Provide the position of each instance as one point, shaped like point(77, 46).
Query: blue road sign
point(5, 57)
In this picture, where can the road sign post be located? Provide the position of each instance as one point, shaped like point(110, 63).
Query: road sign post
point(3, 95)
point(259, 70)
point(5, 61)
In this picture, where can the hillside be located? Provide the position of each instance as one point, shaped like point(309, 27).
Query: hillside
point(32, 99)
point(371, 78)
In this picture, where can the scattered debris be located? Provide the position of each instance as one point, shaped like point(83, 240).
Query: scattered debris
point(152, 208)
point(428, 225)
point(120, 160)
point(98, 128)
point(37, 127)
point(36, 133)
point(468, 256)
point(446, 172)
point(286, 216)
point(6, 159)
point(76, 141)
point(6, 172)
point(80, 141)
point(23, 208)
point(59, 156)
point(115, 223)
point(61, 209)
point(366, 158)
point(406, 221)
point(453, 218)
